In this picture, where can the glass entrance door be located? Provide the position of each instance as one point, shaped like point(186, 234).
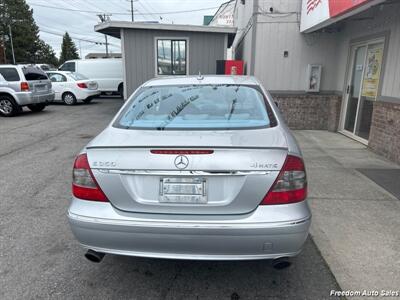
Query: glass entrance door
point(362, 88)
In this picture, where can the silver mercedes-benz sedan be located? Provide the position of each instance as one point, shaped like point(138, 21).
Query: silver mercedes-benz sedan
point(192, 168)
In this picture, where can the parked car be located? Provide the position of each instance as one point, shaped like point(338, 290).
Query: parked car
point(70, 87)
point(193, 168)
point(46, 67)
point(107, 72)
point(23, 85)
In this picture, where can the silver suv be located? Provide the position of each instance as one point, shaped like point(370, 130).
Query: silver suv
point(23, 85)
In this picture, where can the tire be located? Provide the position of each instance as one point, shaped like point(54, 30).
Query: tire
point(121, 90)
point(69, 98)
point(37, 107)
point(87, 101)
point(8, 106)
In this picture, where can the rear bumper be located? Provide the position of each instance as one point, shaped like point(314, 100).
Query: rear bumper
point(101, 227)
point(26, 98)
point(84, 94)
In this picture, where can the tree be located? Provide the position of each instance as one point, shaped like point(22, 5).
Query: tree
point(68, 49)
point(28, 47)
point(46, 54)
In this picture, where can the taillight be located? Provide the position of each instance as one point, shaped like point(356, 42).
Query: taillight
point(291, 184)
point(24, 87)
point(84, 186)
point(82, 85)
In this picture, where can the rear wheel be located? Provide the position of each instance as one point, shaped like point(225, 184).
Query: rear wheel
point(69, 98)
point(121, 90)
point(37, 107)
point(8, 106)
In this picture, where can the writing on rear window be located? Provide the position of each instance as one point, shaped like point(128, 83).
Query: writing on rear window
point(195, 107)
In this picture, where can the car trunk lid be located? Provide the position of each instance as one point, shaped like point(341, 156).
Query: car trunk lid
point(231, 177)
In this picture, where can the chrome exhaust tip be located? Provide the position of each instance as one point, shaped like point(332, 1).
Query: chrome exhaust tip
point(94, 256)
point(281, 263)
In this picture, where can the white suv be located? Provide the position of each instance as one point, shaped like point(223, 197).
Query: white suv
point(23, 85)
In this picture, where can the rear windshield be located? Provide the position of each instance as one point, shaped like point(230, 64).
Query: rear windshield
point(34, 73)
point(45, 67)
point(77, 76)
point(9, 74)
point(204, 107)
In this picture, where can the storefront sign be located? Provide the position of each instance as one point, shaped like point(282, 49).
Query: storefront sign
point(224, 15)
point(337, 7)
point(372, 71)
point(320, 13)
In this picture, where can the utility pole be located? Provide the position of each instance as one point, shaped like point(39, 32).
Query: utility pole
point(132, 10)
point(3, 40)
point(11, 41)
point(3, 48)
point(106, 45)
point(133, 19)
point(105, 18)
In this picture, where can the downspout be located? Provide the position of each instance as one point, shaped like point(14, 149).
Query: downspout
point(253, 37)
point(124, 75)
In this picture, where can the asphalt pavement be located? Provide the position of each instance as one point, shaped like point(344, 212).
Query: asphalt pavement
point(39, 258)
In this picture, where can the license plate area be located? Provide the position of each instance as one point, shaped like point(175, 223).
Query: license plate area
point(185, 190)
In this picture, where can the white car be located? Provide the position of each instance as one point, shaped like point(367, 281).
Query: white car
point(106, 71)
point(70, 87)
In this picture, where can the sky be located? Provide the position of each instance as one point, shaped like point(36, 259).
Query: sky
point(54, 17)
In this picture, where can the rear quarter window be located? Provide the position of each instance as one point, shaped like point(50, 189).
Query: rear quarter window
point(10, 74)
point(34, 73)
point(77, 76)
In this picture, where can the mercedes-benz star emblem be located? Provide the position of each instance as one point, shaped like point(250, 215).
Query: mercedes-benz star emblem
point(181, 162)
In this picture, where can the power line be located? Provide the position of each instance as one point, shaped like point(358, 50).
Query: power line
point(79, 39)
point(62, 32)
point(121, 13)
point(145, 9)
point(151, 9)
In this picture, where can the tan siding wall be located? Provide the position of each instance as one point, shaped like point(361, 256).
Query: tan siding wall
point(278, 33)
point(243, 40)
point(280, 73)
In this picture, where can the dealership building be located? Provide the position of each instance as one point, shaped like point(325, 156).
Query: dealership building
point(331, 65)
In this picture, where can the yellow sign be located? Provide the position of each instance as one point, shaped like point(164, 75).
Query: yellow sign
point(372, 71)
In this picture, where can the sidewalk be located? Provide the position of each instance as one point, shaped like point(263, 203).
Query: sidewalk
point(356, 223)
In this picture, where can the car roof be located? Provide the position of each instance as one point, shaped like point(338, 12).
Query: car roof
point(61, 72)
point(206, 79)
point(19, 66)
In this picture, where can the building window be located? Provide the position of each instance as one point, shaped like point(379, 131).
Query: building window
point(171, 57)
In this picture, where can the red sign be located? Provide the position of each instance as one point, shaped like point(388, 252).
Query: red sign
point(337, 7)
point(316, 14)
